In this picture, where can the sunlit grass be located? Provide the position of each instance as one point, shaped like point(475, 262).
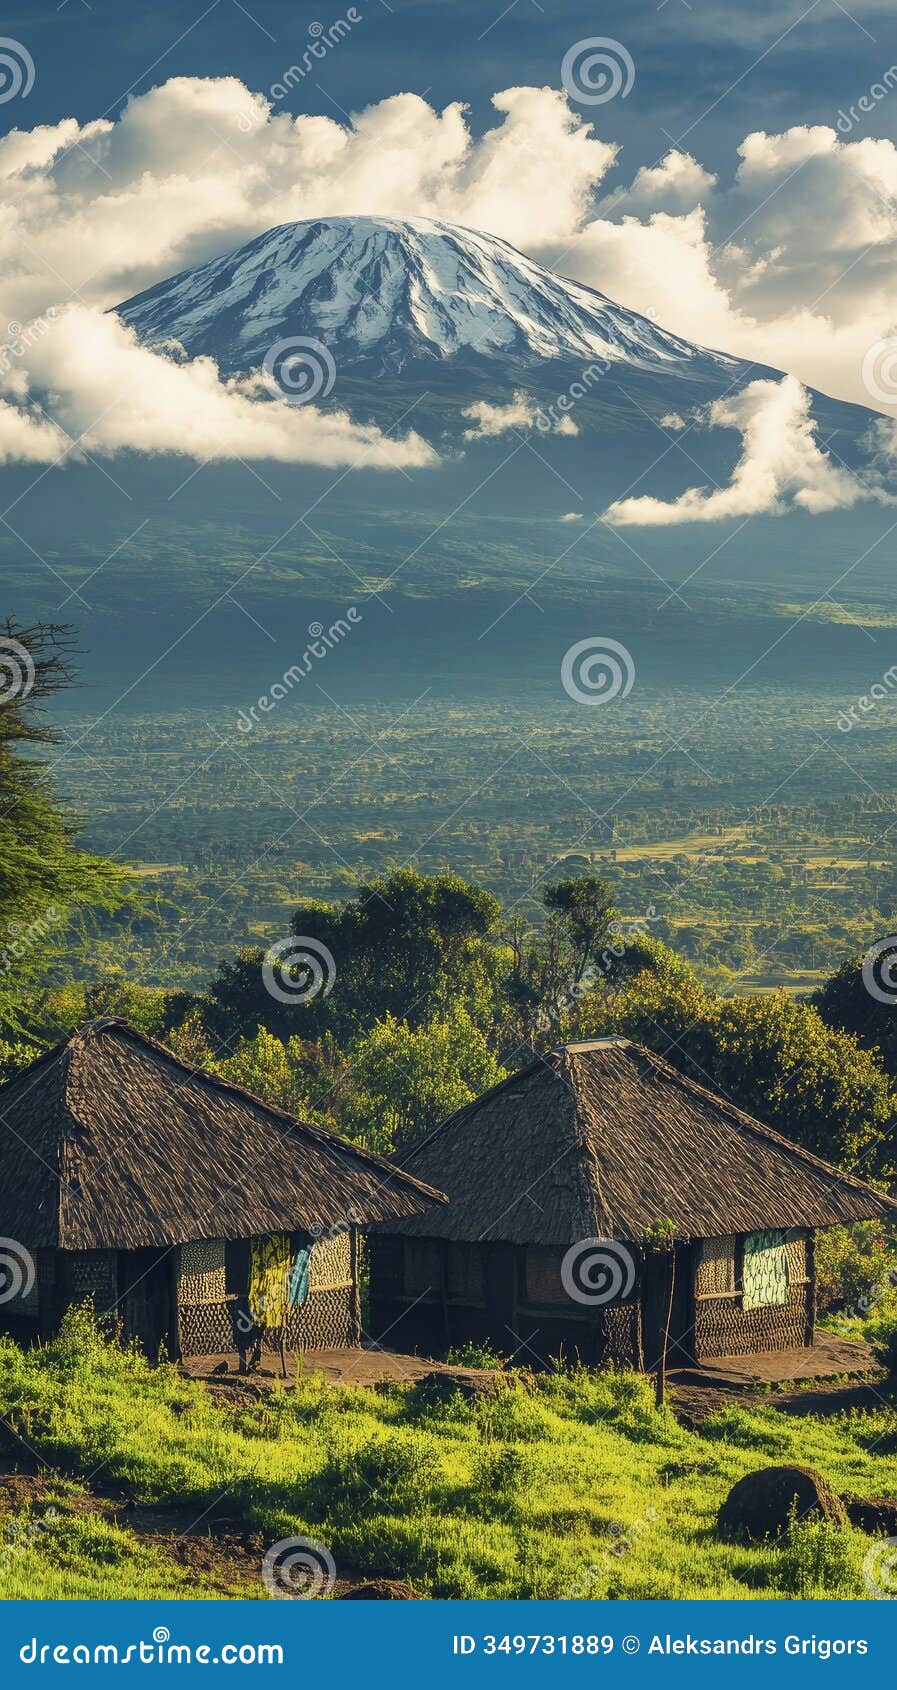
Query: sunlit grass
point(570, 1486)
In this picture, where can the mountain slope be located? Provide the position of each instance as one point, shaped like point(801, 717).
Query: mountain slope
point(386, 292)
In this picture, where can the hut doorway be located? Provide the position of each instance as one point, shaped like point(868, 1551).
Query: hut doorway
point(655, 1302)
point(147, 1299)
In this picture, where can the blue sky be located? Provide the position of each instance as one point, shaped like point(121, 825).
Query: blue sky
point(708, 70)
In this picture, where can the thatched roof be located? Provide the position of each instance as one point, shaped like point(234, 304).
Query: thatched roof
point(601, 1139)
point(109, 1142)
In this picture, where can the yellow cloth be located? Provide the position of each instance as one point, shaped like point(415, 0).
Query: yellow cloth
point(270, 1264)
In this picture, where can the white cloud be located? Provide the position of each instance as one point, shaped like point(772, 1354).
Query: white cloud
point(791, 264)
point(781, 463)
point(571, 516)
point(678, 183)
point(101, 388)
point(787, 260)
point(93, 213)
point(520, 412)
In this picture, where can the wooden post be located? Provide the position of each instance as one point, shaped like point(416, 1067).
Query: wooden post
point(660, 1378)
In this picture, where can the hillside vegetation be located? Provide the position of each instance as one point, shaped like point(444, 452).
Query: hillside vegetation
point(570, 1485)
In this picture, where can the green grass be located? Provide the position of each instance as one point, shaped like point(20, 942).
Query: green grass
point(573, 1485)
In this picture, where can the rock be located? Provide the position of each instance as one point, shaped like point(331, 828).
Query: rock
point(379, 1590)
point(474, 1386)
point(872, 1513)
point(760, 1504)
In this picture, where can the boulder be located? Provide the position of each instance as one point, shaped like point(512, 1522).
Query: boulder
point(873, 1514)
point(473, 1384)
point(760, 1505)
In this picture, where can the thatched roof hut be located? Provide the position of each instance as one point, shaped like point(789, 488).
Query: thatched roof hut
point(604, 1140)
point(110, 1147)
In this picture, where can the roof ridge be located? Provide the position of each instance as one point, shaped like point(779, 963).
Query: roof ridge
point(588, 1158)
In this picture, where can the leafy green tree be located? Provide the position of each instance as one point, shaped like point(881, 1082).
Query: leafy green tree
point(773, 1057)
point(404, 1079)
point(553, 964)
point(49, 888)
point(846, 1002)
point(406, 945)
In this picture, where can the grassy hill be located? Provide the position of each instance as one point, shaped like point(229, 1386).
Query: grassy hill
point(136, 1482)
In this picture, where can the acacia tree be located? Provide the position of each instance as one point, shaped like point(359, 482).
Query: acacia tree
point(553, 964)
point(46, 882)
point(861, 998)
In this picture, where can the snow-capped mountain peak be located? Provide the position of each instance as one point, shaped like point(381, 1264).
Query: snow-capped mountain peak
point(385, 292)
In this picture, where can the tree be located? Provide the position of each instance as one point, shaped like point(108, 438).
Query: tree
point(48, 886)
point(553, 965)
point(847, 1003)
point(771, 1056)
point(405, 946)
point(404, 1080)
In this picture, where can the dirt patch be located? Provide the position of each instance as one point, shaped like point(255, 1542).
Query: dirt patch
point(220, 1373)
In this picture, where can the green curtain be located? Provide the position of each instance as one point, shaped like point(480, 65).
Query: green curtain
point(764, 1275)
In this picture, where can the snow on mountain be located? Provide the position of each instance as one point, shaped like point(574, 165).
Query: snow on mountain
point(383, 292)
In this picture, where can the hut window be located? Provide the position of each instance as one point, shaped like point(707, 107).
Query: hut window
point(92, 1274)
point(423, 1268)
point(543, 1276)
point(764, 1277)
point(201, 1272)
point(715, 1275)
point(464, 1273)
